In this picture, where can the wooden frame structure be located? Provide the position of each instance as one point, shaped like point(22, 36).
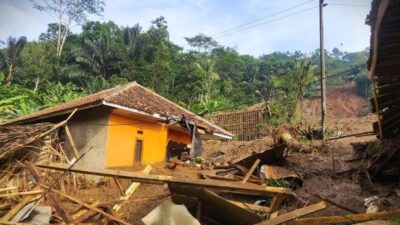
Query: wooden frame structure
point(245, 124)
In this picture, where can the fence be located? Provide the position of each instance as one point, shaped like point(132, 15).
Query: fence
point(246, 124)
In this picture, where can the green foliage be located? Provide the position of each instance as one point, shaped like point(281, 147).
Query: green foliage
point(208, 79)
point(9, 57)
point(55, 93)
point(276, 183)
point(17, 101)
point(395, 221)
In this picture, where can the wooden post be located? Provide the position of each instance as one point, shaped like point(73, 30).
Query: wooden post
point(71, 140)
point(119, 186)
point(253, 167)
point(276, 202)
point(322, 69)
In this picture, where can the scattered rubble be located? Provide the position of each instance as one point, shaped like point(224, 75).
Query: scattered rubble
point(254, 187)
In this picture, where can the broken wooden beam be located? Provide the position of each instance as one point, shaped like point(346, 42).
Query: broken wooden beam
point(15, 209)
point(82, 203)
point(248, 189)
point(83, 211)
point(294, 214)
point(119, 186)
point(249, 206)
point(253, 167)
point(276, 202)
point(34, 192)
point(71, 141)
point(132, 188)
point(8, 189)
point(351, 218)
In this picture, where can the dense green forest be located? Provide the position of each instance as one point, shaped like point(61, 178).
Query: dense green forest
point(208, 78)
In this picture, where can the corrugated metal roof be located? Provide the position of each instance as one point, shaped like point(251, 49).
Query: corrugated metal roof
point(131, 95)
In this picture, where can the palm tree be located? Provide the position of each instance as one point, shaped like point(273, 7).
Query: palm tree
point(93, 54)
point(10, 55)
point(303, 73)
point(205, 68)
point(131, 40)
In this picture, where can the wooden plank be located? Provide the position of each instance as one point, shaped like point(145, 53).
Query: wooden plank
point(83, 211)
point(34, 192)
point(251, 207)
point(58, 125)
point(276, 202)
point(130, 190)
point(119, 186)
point(253, 167)
point(232, 187)
point(8, 189)
point(352, 218)
point(82, 203)
point(274, 214)
point(14, 223)
point(294, 214)
point(71, 141)
point(50, 197)
point(12, 212)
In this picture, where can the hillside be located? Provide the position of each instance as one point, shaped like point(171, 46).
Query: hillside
point(342, 102)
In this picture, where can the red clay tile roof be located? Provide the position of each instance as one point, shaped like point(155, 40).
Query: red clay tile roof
point(131, 95)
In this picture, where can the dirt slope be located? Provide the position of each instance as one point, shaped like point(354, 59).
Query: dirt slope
point(341, 102)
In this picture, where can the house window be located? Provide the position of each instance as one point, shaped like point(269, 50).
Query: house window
point(138, 153)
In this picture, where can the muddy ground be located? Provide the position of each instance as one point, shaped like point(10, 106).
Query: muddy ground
point(326, 169)
point(342, 184)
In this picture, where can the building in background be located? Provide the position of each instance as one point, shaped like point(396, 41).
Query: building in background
point(126, 126)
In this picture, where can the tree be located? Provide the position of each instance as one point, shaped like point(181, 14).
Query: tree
point(202, 42)
point(10, 56)
point(52, 33)
point(95, 56)
point(131, 40)
point(36, 63)
point(205, 71)
point(303, 73)
point(66, 13)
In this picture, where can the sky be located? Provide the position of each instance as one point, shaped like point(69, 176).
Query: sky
point(284, 25)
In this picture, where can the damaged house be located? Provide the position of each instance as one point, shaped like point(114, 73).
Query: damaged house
point(127, 125)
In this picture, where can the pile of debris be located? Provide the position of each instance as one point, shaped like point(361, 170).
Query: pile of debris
point(37, 178)
point(380, 158)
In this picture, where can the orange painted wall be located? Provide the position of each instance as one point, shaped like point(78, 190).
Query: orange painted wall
point(179, 137)
point(122, 136)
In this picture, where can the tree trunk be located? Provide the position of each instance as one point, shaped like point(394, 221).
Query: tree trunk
point(58, 52)
point(9, 76)
point(37, 81)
